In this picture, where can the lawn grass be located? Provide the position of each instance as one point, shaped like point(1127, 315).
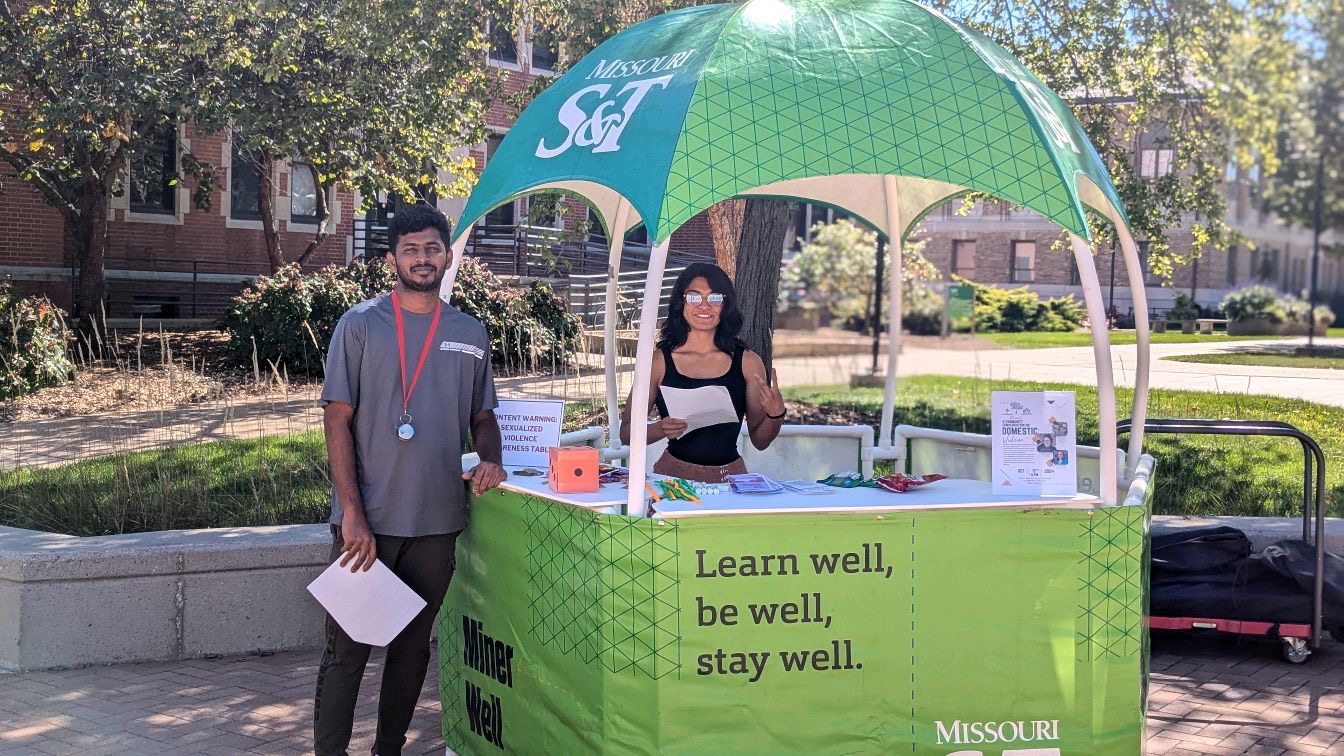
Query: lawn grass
point(1046, 340)
point(1204, 475)
point(276, 480)
point(283, 480)
point(1324, 357)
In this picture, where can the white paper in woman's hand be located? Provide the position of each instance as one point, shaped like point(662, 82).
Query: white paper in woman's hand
point(699, 407)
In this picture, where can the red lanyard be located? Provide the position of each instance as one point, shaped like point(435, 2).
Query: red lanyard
point(401, 350)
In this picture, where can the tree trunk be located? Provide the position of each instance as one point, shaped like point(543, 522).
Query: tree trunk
point(765, 223)
point(323, 226)
point(725, 231)
point(266, 205)
point(89, 231)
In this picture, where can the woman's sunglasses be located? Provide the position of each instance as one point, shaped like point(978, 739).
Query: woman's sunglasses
point(695, 298)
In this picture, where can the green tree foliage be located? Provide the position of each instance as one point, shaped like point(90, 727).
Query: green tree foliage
point(836, 270)
point(377, 96)
point(86, 85)
point(33, 348)
point(1311, 138)
point(1206, 78)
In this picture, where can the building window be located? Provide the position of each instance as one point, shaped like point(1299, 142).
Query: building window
point(1145, 263)
point(1076, 278)
point(245, 183)
point(303, 193)
point(545, 51)
point(1154, 163)
point(153, 175)
point(503, 45)
point(1232, 254)
point(1024, 262)
point(507, 213)
point(963, 258)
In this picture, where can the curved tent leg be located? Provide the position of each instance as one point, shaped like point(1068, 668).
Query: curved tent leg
point(617, 237)
point(648, 317)
point(1101, 350)
point(459, 248)
point(884, 438)
point(1139, 294)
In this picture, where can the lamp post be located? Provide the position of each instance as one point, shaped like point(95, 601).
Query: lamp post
point(1317, 222)
point(1318, 218)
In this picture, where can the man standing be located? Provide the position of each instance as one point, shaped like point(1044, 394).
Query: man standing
point(407, 376)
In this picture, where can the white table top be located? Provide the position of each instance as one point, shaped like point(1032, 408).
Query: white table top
point(608, 496)
point(945, 494)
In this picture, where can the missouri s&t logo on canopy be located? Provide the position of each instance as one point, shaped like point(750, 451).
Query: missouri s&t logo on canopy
point(594, 120)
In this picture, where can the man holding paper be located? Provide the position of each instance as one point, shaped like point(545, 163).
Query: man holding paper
point(705, 381)
point(408, 376)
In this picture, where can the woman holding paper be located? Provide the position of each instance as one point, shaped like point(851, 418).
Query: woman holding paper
point(705, 381)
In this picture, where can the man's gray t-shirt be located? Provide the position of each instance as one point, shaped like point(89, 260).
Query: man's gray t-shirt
point(412, 487)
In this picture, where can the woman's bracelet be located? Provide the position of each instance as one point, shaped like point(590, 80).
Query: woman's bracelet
point(780, 416)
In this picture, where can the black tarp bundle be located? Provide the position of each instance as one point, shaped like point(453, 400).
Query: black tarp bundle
point(1211, 573)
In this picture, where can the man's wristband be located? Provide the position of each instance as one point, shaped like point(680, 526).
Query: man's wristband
point(780, 416)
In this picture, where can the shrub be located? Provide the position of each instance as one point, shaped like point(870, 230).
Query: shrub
point(288, 318)
point(1017, 310)
point(1325, 317)
point(1254, 302)
point(922, 312)
point(1184, 308)
point(32, 344)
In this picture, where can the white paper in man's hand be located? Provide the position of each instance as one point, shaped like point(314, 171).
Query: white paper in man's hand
point(699, 407)
point(371, 607)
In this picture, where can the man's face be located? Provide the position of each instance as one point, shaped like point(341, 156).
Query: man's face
point(421, 259)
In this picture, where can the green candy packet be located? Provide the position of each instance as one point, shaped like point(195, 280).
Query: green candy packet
point(848, 480)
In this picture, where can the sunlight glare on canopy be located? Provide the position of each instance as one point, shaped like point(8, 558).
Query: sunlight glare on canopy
point(768, 13)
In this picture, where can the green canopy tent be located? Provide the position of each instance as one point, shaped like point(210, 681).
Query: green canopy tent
point(884, 108)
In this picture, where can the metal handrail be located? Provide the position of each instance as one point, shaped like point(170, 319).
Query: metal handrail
point(1310, 450)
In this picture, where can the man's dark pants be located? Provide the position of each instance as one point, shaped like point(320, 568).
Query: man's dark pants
point(425, 564)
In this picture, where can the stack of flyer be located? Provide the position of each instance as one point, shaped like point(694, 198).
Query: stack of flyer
point(753, 483)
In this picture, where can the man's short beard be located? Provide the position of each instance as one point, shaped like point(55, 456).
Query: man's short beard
point(410, 284)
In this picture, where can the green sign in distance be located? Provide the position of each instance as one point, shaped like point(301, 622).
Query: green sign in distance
point(961, 306)
point(934, 632)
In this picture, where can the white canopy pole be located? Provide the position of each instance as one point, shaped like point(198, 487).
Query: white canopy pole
point(616, 235)
point(884, 438)
point(639, 395)
point(1101, 350)
point(1139, 294)
point(459, 248)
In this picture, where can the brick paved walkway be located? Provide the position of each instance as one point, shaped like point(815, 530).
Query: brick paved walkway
point(1206, 697)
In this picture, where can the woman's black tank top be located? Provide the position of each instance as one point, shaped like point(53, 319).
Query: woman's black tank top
point(713, 444)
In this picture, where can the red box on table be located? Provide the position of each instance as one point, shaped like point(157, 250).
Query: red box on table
point(573, 469)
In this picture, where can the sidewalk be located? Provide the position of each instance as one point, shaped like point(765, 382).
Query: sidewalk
point(1205, 697)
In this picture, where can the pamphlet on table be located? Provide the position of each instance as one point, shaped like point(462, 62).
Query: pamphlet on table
point(1034, 436)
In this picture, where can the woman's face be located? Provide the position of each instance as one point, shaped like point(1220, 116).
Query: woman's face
point(705, 315)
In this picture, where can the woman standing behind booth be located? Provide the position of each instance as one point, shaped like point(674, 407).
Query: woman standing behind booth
point(698, 347)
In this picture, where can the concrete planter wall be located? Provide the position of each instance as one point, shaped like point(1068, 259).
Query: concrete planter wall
point(67, 601)
point(1252, 327)
point(1262, 327)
